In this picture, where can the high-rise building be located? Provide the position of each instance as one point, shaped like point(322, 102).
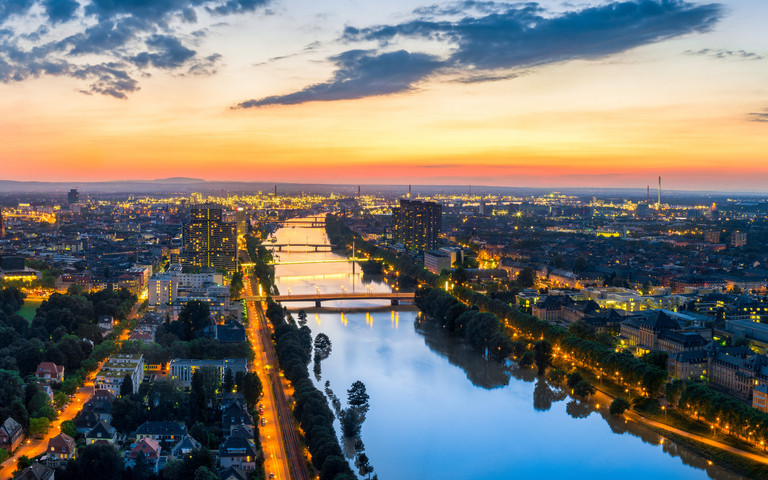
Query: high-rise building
point(208, 241)
point(73, 196)
point(738, 239)
point(416, 224)
point(2, 224)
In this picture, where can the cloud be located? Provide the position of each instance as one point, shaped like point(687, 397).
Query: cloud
point(494, 36)
point(9, 8)
point(119, 40)
point(60, 11)
point(361, 74)
point(523, 36)
point(759, 116)
point(725, 54)
point(168, 52)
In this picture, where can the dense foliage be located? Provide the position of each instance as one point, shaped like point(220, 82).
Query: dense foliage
point(294, 349)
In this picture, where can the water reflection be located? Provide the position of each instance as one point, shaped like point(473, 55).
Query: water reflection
point(480, 371)
point(427, 421)
point(544, 396)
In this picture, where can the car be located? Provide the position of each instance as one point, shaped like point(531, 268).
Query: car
point(271, 475)
point(263, 421)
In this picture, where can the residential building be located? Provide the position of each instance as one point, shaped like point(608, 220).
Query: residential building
point(208, 241)
point(238, 451)
point(112, 374)
point(50, 372)
point(182, 369)
point(36, 471)
point(184, 447)
point(443, 259)
point(151, 451)
point(167, 433)
point(102, 432)
point(11, 434)
point(416, 224)
point(60, 450)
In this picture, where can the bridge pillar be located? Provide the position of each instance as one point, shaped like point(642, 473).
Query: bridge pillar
point(317, 303)
point(395, 301)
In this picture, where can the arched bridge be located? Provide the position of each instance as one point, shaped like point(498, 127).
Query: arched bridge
point(318, 298)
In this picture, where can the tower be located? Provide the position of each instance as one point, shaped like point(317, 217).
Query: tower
point(207, 241)
point(658, 204)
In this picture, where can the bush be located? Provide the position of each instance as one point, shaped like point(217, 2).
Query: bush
point(618, 406)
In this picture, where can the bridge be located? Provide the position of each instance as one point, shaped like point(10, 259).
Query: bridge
point(316, 222)
point(394, 297)
point(305, 262)
point(316, 246)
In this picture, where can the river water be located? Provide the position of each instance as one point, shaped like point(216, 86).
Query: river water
point(439, 411)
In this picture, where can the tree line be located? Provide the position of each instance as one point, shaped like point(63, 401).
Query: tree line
point(294, 351)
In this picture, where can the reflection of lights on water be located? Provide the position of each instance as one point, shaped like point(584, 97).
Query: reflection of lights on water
point(317, 317)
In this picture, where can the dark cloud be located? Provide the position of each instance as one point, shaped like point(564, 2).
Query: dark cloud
point(523, 36)
point(60, 10)
point(123, 40)
point(502, 37)
point(483, 78)
point(362, 74)
point(167, 52)
point(759, 116)
point(205, 66)
point(14, 7)
point(236, 6)
point(724, 54)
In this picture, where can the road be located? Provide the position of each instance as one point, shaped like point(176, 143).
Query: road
point(279, 438)
point(606, 399)
point(32, 447)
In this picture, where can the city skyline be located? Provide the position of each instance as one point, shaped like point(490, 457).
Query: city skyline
point(547, 94)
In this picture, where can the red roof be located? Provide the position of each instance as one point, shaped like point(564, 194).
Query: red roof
point(150, 447)
point(49, 368)
point(61, 443)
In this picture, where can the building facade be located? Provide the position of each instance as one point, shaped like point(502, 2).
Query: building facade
point(416, 224)
point(208, 241)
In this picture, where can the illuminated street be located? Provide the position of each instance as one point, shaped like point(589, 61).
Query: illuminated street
point(270, 433)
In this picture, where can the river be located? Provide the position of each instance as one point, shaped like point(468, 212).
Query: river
point(440, 411)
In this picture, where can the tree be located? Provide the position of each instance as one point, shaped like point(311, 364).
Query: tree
point(573, 379)
point(193, 318)
point(251, 388)
point(126, 388)
point(583, 389)
point(205, 473)
point(527, 359)
point(543, 355)
point(39, 426)
point(350, 423)
point(322, 346)
point(302, 318)
point(4, 455)
point(23, 462)
point(68, 428)
point(357, 397)
point(527, 277)
point(363, 465)
point(98, 461)
point(618, 406)
point(580, 264)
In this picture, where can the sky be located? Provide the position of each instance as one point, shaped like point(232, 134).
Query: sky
point(537, 94)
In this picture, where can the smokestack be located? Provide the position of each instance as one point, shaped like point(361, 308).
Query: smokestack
point(409, 191)
point(648, 195)
point(658, 205)
point(275, 190)
point(358, 190)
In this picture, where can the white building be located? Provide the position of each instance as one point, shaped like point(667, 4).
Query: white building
point(112, 374)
